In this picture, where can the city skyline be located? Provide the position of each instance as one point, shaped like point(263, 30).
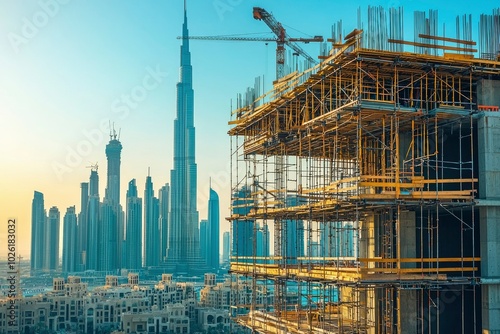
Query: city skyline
point(96, 251)
point(86, 82)
point(116, 235)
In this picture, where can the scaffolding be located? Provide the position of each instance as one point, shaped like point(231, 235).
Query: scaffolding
point(369, 158)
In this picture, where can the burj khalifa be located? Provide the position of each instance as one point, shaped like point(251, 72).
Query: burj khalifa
point(183, 253)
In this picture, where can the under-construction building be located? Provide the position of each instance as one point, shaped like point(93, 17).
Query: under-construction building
point(391, 162)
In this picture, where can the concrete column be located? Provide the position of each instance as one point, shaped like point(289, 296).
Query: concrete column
point(489, 215)
point(488, 147)
point(490, 268)
point(408, 236)
point(488, 92)
point(408, 249)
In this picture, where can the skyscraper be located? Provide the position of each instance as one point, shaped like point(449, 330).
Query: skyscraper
point(225, 247)
point(262, 240)
point(82, 228)
point(38, 220)
point(93, 234)
point(51, 261)
point(108, 237)
point(315, 249)
point(152, 251)
point(204, 239)
point(70, 246)
point(133, 248)
point(243, 230)
point(292, 234)
point(112, 218)
point(164, 198)
point(338, 239)
point(183, 241)
point(213, 231)
point(113, 153)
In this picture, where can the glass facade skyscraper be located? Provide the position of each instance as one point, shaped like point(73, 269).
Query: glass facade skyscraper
point(82, 227)
point(226, 239)
point(213, 231)
point(164, 199)
point(38, 220)
point(108, 237)
point(133, 245)
point(113, 153)
point(93, 223)
point(70, 246)
point(204, 239)
point(292, 233)
point(183, 255)
point(338, 239)
point(52, 239)
point(242, 232)
point(262, 235)
point(152, 248)
point(112, 231)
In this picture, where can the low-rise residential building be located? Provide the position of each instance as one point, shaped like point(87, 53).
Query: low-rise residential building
point(235, 291)
point(165, 307)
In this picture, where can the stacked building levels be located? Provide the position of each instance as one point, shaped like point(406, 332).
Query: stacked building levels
point(390, 161)
point(167, 307)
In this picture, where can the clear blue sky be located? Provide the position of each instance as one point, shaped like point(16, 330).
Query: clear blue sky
point(67, 67)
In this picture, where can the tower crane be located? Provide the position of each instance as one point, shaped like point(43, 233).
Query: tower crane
point(282, 39)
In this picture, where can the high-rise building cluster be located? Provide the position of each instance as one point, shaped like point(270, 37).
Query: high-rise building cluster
point(154, 231)
point(104, 237)
point(246, 243)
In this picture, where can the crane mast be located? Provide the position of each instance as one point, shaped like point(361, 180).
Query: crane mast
point(282, 39)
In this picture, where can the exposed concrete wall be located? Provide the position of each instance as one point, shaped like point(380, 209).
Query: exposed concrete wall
point(408, 236)
point(408, 249)
point(490, 268)
point(488, 147)
point(489, 189)
point(488, 92)
point(490, 242)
